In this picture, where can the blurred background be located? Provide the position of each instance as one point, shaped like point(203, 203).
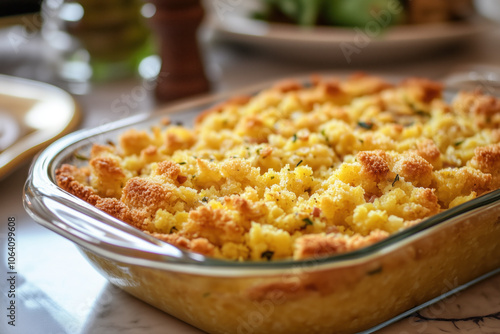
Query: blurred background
point(78, 45)
point(137, 55)
point(97, 61)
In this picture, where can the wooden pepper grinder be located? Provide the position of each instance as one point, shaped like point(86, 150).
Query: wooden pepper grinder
point(182, 72)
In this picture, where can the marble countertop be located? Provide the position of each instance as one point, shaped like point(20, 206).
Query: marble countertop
point(58, 292)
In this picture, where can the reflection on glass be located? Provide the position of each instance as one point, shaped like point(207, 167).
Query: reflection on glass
point(96, 40)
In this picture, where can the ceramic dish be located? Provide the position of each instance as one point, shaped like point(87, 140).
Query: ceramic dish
point(336, 45)
point(357, 291)
point(32, 114)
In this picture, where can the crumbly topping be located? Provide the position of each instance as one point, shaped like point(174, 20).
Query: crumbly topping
point(374, 164)
point(319, 245)
point(299, 171)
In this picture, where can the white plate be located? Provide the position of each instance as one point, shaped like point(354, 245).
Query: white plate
point(336, 45)
point(32, 114)
point(489, 9)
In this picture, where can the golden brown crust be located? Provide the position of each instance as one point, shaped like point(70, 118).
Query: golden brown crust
point(415, 169)
point(424, 90)
point(119, 210)
point(173, 142)
point(478, 183)
point(374, 164)
point(133, 141)
point(109, 176)
point(462, 182)
point(486, 105)
point(488, 158)
point(169, 169)
point(146, 195)
point(254, 127)
point(495, 135)
point(298, 171)
point(213, 224)
point(428, 200)
point(331, 87)
point(197, 245)
point(107, 167)
point(428, 150)
point(70, 178)
point(316, 246)
point(98, 150)
point(149, 151)
point(248, 210)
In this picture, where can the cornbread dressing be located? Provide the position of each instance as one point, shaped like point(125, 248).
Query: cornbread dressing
point(299, 171)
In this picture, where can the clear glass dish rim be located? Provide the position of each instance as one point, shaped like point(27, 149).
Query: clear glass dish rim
point(41, 183)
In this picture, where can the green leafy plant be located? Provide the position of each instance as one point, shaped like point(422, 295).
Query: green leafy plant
point(331, 12)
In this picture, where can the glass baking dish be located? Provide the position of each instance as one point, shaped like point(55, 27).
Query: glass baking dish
point(362, 290)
